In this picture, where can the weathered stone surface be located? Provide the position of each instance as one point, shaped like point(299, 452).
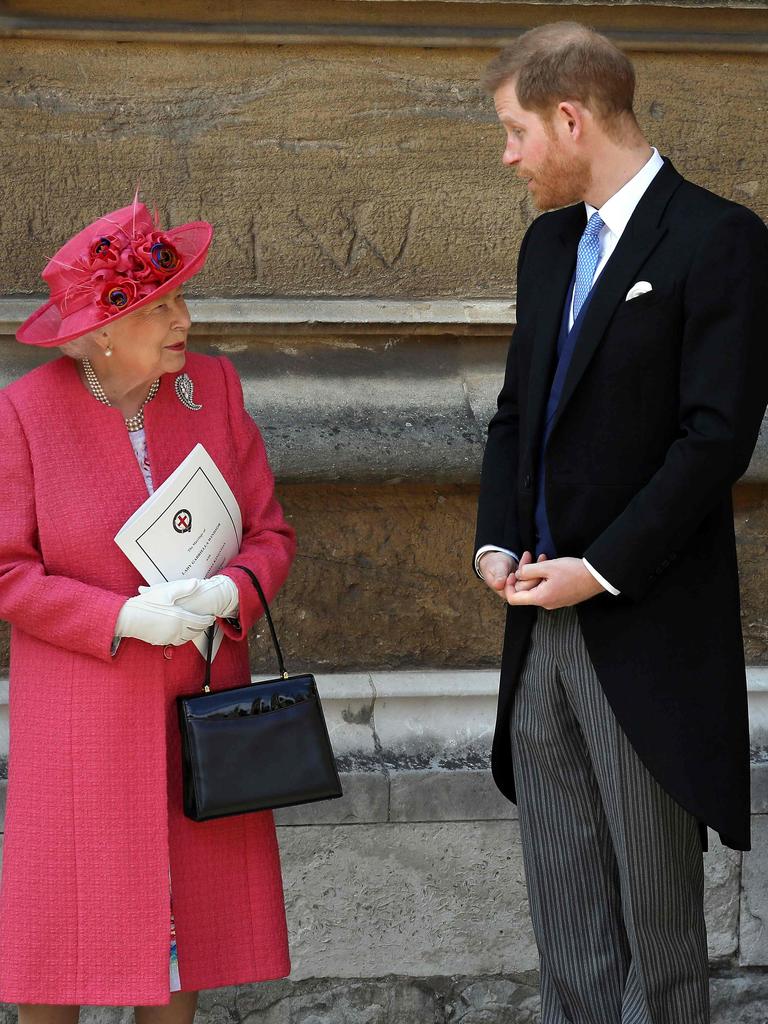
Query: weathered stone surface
point(363, 409)
point(356, 408)
point(722, 882)
point(460, 794)
point(759, 780)
point(322, 15)
point(383, 579)
point(326, 172)
point(753, 949)
point(365, 800)
point(435, 898)
point(393, 565)
point(751, 521)
point(359, 1002)
point(391, 1000)
point(494, 1001)
point(739, 997)
point(441, 719)
point(369, 900)
point(423, 795)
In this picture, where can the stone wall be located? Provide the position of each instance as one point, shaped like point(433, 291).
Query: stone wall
point(362, 280)
point(391, 186)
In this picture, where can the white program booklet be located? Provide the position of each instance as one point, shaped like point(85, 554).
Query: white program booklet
point(190, 528)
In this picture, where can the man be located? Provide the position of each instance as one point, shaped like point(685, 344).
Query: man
point(634, 391)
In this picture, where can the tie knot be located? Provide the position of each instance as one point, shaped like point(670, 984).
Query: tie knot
point(594, 225)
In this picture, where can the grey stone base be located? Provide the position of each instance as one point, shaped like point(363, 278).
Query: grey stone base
point(737, 998)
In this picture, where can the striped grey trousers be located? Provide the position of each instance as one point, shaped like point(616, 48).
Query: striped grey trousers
point(613, 864)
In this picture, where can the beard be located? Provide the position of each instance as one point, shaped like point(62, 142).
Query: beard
point(558, 180)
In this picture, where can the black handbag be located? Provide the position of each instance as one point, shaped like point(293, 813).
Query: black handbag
point(255, 747)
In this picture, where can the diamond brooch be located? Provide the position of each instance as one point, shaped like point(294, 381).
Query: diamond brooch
point(185, 391)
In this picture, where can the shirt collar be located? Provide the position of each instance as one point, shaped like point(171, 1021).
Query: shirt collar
point(615, 213)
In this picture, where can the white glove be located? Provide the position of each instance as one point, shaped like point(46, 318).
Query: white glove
point(217, 596)
point(155, 619)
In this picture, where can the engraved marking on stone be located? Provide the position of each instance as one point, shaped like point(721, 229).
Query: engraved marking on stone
point(348, 234)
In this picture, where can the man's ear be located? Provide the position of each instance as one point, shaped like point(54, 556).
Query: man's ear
point(571, 116)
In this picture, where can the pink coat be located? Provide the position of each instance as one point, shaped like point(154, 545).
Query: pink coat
point(94, 814)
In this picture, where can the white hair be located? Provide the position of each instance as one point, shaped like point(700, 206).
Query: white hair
point(80, 348)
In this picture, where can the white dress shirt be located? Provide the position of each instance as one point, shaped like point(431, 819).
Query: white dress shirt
point(615, 214)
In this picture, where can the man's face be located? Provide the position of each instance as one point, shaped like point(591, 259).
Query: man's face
point(542, 152)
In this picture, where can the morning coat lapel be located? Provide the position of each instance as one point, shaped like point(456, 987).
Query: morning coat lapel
point(555, 279)
point(642, 234)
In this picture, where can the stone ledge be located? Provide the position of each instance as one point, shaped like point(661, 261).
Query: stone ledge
point(759, 781)
point(757, 684)
point(432, 718)
point(400, 796)
point(446, 25)
point(270, 316)
point(415, 747)
point(753, 925)
point(365, 408)
point(383, 796)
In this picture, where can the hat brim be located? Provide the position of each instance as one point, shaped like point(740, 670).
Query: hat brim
point(47, 328)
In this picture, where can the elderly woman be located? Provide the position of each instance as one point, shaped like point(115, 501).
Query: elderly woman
point(109, 894)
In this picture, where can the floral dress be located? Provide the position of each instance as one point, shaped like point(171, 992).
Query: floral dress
point(139, 442)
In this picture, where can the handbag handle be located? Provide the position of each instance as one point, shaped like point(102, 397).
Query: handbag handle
point(275, 642)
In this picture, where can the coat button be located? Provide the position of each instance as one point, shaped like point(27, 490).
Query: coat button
point(168, 652)
point(528, 481)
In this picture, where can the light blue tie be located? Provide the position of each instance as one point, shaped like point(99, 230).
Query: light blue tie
point(587, 258)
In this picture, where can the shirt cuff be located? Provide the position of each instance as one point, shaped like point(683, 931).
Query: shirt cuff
point(491, 547)
point(603, 582)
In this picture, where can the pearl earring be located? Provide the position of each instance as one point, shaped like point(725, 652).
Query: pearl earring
point(108, 351)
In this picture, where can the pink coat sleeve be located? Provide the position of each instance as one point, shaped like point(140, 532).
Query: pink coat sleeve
point(269, 543)
point(57, 609)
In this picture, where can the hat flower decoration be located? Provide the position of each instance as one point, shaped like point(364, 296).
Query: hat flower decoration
point(113, 267)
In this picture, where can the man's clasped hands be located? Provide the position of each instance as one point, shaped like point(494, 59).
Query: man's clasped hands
point(546, 583)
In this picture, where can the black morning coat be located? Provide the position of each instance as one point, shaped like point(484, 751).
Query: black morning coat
point(658, 419)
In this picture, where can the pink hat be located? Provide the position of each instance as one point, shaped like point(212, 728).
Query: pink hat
point(114, 266)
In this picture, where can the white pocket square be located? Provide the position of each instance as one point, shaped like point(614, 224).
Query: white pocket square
point(639, 289)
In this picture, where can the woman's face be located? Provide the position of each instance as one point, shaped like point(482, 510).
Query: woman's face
point(150, 342)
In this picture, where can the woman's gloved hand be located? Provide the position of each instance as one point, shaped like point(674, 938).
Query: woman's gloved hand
point(217, 596)
point(156, 616)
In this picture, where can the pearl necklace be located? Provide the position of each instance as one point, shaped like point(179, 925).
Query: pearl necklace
point(133, 423)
